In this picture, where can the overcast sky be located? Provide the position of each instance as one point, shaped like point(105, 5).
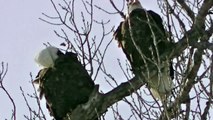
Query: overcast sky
point(22, 35)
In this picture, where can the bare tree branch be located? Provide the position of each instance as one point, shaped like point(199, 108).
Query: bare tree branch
point(3, 72)
point(192, 35)
point(189, 12)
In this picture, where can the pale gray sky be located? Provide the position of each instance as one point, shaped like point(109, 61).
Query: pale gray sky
point(22, 35)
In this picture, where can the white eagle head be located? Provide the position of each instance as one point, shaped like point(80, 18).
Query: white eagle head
point(134, 4)
point(46, 57)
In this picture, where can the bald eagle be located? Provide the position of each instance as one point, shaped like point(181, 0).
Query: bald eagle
point(142, 38)
point(63, 81)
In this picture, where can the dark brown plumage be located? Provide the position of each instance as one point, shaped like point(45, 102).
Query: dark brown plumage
point(65, 86)
point(143, 39)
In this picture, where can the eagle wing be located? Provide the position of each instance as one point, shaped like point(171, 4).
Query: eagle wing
point(65, 86)
point(143, 40)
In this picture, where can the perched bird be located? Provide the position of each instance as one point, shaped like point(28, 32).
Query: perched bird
point(142, 38)
point(63, 81)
